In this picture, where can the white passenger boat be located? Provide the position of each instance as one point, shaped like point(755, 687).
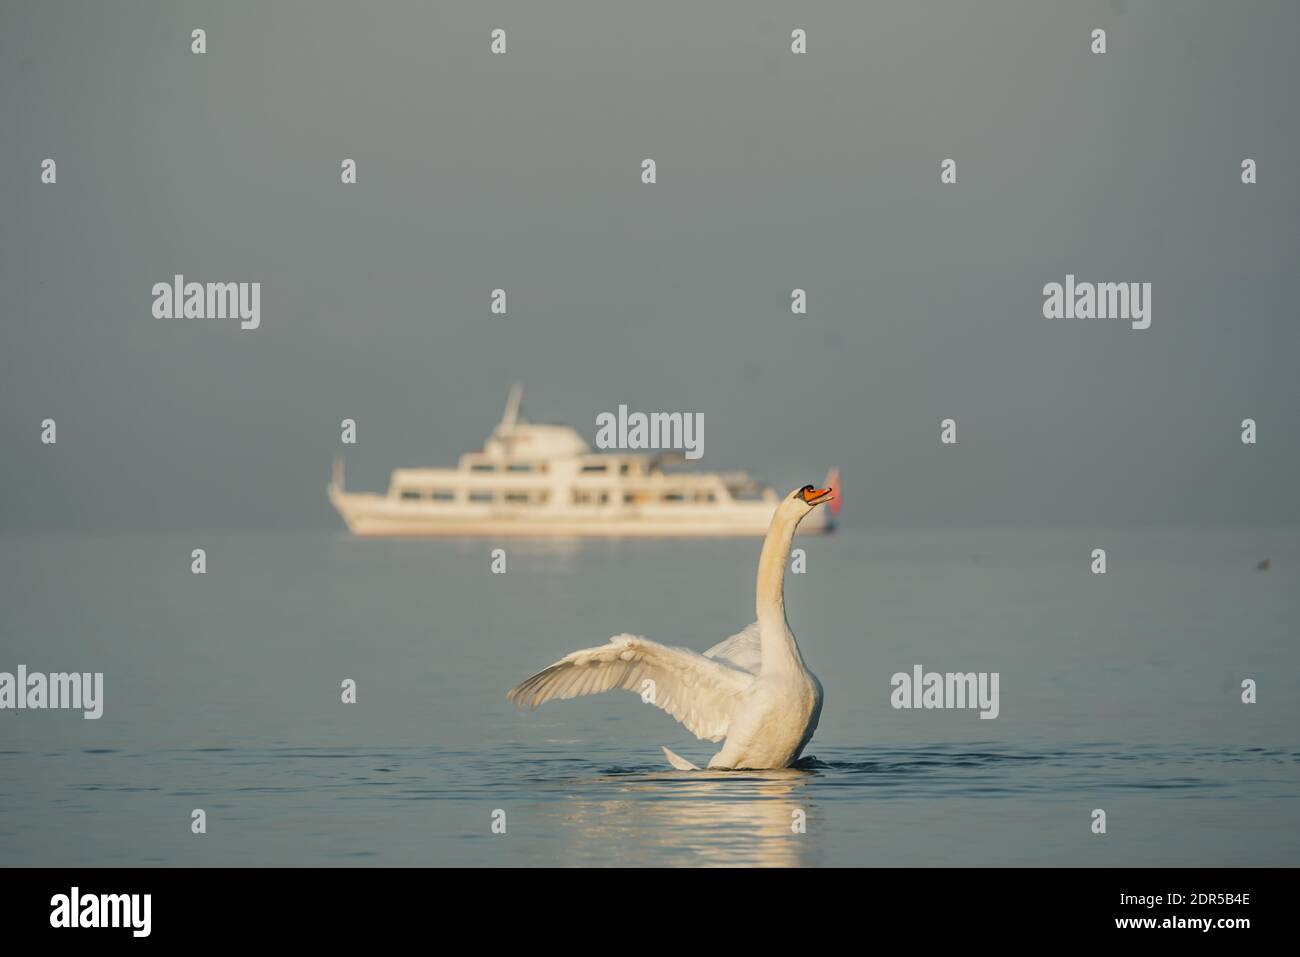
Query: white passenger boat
point(543, 480)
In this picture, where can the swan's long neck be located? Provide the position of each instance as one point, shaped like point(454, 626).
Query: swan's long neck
point(780, 653)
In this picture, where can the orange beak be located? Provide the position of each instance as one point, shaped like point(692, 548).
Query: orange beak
point(817, 496)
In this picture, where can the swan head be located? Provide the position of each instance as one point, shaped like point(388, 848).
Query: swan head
point(803, 500)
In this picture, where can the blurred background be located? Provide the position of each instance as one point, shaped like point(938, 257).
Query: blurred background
point(775, 171)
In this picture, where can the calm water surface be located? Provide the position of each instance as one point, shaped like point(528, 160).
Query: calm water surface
point(222, 692)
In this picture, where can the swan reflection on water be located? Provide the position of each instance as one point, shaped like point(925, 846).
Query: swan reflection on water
point(704, 818)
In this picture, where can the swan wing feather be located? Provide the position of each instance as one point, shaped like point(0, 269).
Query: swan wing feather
point(742, 650)
point(698, 691)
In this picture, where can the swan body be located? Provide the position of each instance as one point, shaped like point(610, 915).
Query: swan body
point(751, 691)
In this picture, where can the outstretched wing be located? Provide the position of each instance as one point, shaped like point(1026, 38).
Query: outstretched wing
point(699, 692)
point(741, 650)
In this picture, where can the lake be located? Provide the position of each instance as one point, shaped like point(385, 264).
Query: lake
point(222, 692)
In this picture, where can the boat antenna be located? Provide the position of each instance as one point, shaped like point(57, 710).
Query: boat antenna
point(513, 405)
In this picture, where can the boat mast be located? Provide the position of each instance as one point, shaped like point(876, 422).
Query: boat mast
point(513, 403)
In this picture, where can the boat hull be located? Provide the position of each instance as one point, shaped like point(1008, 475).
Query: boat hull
point(379, 516)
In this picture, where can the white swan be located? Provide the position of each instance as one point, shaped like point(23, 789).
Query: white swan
point(752, 689)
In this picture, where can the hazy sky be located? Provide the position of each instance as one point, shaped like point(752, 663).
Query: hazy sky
point(775, 171)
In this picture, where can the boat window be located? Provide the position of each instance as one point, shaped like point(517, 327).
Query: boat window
point(411, 494)
point(594, 468)
point(483, 467)
point(519, 467)
point(444, 495)
point(517, 497)
point(705, 497)
point(674, 497)
point(484, 496)
point(584, 497)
